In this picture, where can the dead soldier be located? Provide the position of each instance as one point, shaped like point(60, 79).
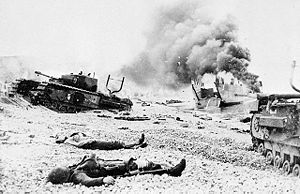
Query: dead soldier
point(95, 172)
point(81, 140)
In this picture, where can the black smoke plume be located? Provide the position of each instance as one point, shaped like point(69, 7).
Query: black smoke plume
point(183, 44)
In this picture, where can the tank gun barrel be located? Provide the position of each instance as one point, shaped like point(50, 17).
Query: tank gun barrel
point(40, 73)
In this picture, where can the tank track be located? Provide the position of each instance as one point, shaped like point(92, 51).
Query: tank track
point(65, 107)
point(62, 107)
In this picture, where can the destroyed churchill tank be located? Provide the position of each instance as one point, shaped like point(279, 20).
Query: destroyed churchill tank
point(71, 93)
point(275, 129)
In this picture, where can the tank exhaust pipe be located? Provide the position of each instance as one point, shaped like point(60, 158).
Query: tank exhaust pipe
point(292, 77)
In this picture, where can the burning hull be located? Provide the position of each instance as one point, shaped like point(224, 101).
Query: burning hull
point(208, 102)
point(234, 94)
point(204, 102)
point(221, 95)
point(228, 99)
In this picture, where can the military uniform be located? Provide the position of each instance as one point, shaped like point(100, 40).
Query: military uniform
point(81, 140)
point(91, 172)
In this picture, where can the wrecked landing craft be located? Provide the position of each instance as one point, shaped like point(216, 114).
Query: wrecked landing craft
point(71, 93)
point(218, 93)
point(275, 129)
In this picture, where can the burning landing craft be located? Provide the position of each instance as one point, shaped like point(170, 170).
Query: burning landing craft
point(216, 91)
point(71, 93)
point(275, 129)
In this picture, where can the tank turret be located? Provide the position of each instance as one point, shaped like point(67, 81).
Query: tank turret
point(79, 81)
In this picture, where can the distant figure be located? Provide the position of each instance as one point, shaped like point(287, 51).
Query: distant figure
point(93, 172)
point(89, 74)
point(4, 136)
point(81, 140)
point(80, 73)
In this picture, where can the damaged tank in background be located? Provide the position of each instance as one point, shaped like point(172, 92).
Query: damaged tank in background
point(275, 129)
point(71, 93)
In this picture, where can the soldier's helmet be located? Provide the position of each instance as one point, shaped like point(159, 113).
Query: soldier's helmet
point(59, 175)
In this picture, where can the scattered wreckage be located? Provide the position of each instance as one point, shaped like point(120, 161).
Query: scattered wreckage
point(275, 129)
point(132, 118)
point(71, 93)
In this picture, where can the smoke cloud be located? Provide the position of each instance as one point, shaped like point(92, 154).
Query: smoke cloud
point(14, 67)
point(185, 43)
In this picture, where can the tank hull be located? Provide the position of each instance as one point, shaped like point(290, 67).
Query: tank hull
point(68, 99)
point(275, 131)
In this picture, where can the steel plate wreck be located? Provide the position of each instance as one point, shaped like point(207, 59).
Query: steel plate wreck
point(71, 93)
point(214, 91)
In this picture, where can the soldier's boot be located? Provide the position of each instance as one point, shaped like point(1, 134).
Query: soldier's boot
point(142, 139)
point(177, 170)
point(60, 139)
point(156, 169)
point(140, 143)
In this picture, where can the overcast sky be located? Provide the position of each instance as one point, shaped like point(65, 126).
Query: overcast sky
point(103, 35)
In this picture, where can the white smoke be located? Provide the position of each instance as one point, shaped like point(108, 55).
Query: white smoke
point(15, 67)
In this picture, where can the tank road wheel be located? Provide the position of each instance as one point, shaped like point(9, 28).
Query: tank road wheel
point(286, 167)
point(277, 162)
point(63, 109)
point(255, 143)
point(266, 133)
point(296, 170)
point(47, 104)
point(269, 158)
point(71, 110)
point(54, 105)
point(261, 149)
point(254, 123)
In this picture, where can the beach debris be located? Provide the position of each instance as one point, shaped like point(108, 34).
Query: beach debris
point(125, 113)
point(184, 125)
point(178, 119)
point(135, 118)
point(201, 127)
point(245, 120)
point(4, 136)
point(104, 116)
point(173, 101)
point(123, 128)
point(145, 104)
point(240, 130)
point(205, 117)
